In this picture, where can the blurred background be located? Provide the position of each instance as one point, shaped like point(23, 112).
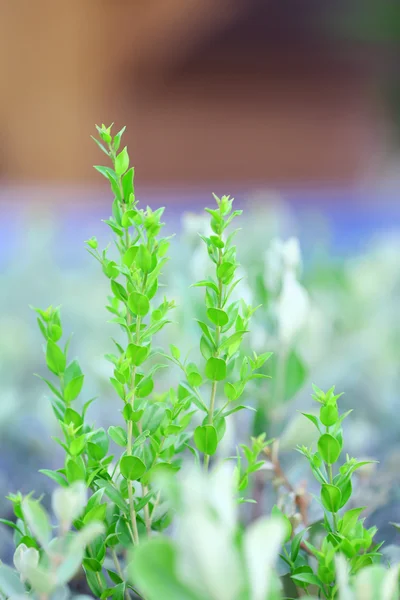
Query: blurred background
point(291, 107)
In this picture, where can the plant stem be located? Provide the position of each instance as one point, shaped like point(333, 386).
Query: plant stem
point(211, 418)
point(212, 402)
point(117, 563)
point(132, 511)
point(330, 476)
point(119, 571)
point(214, 383)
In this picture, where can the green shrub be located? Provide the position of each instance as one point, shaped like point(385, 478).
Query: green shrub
point(148, 508)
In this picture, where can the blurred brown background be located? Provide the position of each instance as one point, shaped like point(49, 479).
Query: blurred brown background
point(210, 90)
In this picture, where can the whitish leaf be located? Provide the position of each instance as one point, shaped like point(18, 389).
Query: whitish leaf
point(37, 519)
point(260, 556)
point(10, 583)
point(157, 556)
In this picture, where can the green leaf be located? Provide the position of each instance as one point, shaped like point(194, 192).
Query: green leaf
point(139, 304)
point(72, 371)
point(55, 358)
point(100, 145)
point(115, 578)
point(217, 316)
point(97, 513)
point(225, 271)
point(307, 578)
point(106, 172)
point(57, 477)
point(206, 348)
point(215, 369)
point(110, 268)
point(122, 162)
point(132, 467)
point(329, 448)
point(220, 427)
point(329, 414)
point(118, 435)
point(349, 520)
point(232, 340)
point(137, 354)
point(112, 493)
point(11, 524)
point(55, 332)
point(77, 445)
point(98, 443)
point(153, 417)
point(131, 415)
point(130, 256)
point(91, 564)
point(145, 387)
point(95, 499)
point(205, 438)
point(295, 545)
point(51, 386)
point(346, 490)
point(118, 387)
point(119, 290)
point(73, 388)
point(141, 439)
point(71, 416)
point(144, 259)
point(230, 391)
point(205, 329)
point(117, 142)
point(236, 409)
point(313, 420)
point(75, 469)
point(175, 352)
point(206, 283)
point(96, 581)
point(193, 375)
point(216, 241)
point(127, 184)
point(37, 520)
point(196, 399)
point(331, 497)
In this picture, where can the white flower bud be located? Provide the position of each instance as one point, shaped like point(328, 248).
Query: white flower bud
point(68, 503)
point(292, 309)
point(291, 254)
point(25, 558)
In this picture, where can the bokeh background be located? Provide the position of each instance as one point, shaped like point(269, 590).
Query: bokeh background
point(291, 107)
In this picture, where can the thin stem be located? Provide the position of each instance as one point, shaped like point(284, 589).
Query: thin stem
point(212, 402)
point(330, 476)
point(217, 338)
point(132, 511)
point(119, 571)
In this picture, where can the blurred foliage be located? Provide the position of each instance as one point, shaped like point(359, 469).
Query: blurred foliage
point(349, 333)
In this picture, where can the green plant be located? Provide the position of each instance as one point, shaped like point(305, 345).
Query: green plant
point(344, 534)
point(138, 490)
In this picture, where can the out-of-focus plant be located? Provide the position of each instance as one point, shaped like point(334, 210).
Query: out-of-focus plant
point(209, 556)
point(45, 564)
